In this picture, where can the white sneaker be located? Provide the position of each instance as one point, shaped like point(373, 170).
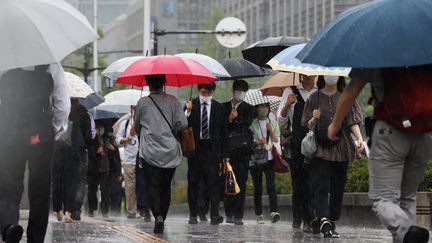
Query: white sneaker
point(275, 216)
point(260, 219)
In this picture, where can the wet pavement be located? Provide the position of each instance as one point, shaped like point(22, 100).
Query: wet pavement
point(100, 230)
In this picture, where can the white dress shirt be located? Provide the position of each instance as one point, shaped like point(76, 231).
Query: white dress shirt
point(130, 151)
point(208, 106)
point(305, 95)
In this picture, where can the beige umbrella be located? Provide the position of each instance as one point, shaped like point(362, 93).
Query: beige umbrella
point(276, 85)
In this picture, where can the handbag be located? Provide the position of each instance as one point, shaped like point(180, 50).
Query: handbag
point(231, 186)
point(308, 144)
point(185, 137)
point(240, 139)
point(280, 165)
point(65, 139)
point(260, 154)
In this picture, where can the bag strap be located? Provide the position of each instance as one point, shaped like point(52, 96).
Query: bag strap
point(161, 112)
point(125, 130)
point(297, 92)
point(268, 133)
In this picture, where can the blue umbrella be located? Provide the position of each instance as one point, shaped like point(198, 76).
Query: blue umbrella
point(386, 33)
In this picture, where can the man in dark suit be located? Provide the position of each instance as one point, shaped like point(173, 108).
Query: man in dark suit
point(206, 117)
point(240, 115)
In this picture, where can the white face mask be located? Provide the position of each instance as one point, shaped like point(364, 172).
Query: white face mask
point(330, 79)
point(205, 98)
point(239, 95)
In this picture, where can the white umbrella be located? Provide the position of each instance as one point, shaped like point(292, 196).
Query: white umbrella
point(120, 101)
point(78, 88)
point(115, 69)
point(255, 97)
point(211, 64)
point(286, 61)
point(36, 32)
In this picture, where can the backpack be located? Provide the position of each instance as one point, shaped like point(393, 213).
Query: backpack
point(407, 103)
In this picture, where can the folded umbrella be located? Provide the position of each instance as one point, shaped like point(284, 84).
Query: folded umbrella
point(240, 68)
point(276, 85)
point(386, 33)
point(178, 71)
point(40, 32)
point(262, 51)
point(286, 61)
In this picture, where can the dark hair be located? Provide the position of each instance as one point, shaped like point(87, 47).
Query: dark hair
point(156, 81)
point(340, 83)
point(240, 84)
point(208, 87)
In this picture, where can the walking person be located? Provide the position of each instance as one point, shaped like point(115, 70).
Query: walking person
point(158, 117)
point(401, 142)
point(77, 165)
point(240, 115)
point(291, 111)
point(34, 106)
point(205, 116)
point(329, 165)
point(266, 132)
point(128, 158)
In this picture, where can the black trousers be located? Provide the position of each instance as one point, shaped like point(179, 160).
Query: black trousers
point(76, 178)
point(59, 173)
point(234, 205)
point(141, 189)
point(116, 194)
point(257, 173)
point(204, 165)
point(13, 160)
point(327, 182)
point(203, 199)
point(301, 198)
point(159, 185)
point(94, 180)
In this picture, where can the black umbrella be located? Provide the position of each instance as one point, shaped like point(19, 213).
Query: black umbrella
point(262, 51)
point(92, 100)
point(240, 68)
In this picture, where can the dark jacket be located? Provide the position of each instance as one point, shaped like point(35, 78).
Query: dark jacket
point(246, 114)
point(81, 129)
point(218, 126)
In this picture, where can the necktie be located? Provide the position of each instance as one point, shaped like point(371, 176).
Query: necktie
point(204, 122)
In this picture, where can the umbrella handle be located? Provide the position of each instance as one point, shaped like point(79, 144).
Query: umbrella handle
point(190, 95)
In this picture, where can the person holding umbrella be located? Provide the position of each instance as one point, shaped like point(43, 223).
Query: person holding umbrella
point(291, 110)
point(31, 123)
point(158, 117)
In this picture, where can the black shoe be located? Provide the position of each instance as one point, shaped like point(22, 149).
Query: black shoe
point(416, 234)
point(296, 225)
point(193, 220)
point(326, 229)
point(141, 213)
point(216, 220)
point(203, 218)
point(76, 216)
point(159, 225)
point(13, 234)
point(91, 214)
point(315, 226)
point(229, 220)
point(334, 232)
point(238, 222)
point(131, 216)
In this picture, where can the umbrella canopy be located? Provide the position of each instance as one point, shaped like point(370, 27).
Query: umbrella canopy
point(78, 88)
point(262, 51)
point(40, 32)
point(211, 64)
point(92, 100)
point(120, 101)
point(255, 97)
point(240, 68)
point(115, 69)
point(387, 33)
point(276, 85)
point(286, 61)
point(99, 114)
point(178, 71)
